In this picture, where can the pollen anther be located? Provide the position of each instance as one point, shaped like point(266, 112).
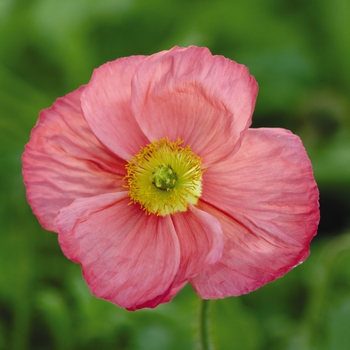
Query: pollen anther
point(164, 177)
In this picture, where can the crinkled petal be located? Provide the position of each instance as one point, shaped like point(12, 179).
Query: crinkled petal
point(266, 200)
point(106, 107)
point(248, 262)
point(201, 241)
point(127, 257)
point(64, 160)
point(201, 245)
point(163, 298)
point(205, 100)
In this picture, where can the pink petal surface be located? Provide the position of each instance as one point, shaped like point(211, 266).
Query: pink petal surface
point(127, 257)
point(266, 200)
point(164, 298)
point(205, 100)
point(201, 244)
point(106, 107)
point(201, 241)
point(64, 160)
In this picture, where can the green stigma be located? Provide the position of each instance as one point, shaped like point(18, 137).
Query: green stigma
point(164, 177)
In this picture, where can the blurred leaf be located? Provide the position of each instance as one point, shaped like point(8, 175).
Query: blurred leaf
point(331, 163)
point(338, 322)
point(57, 315)
point(2, 337)
point(20, 105)
point(335, 18)
point(233, 327)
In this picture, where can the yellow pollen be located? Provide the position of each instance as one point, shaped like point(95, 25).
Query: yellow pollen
point(164, 177)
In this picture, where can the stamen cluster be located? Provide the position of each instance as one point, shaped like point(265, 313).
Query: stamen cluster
point(164, 177)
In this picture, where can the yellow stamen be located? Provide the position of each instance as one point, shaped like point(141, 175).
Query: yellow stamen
point(164, 177)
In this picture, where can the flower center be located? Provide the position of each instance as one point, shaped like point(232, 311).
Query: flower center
point(164, 177)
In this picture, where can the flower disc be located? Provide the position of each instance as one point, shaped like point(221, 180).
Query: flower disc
point(164, 177)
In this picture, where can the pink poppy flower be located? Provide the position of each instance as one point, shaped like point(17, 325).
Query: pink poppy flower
point(152, 178)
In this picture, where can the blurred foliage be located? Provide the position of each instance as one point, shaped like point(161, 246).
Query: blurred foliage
point(299, 53)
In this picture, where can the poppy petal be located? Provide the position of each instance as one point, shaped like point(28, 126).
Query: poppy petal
point(201, 242)
point(205, 100)
point(64, 160)
point(127, 257)
point(268, 209)
point(106, 107)
point(201, 245)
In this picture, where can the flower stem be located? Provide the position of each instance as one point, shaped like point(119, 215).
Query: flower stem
point(204, 326)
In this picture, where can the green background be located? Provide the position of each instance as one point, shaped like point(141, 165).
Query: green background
point(299, 52)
